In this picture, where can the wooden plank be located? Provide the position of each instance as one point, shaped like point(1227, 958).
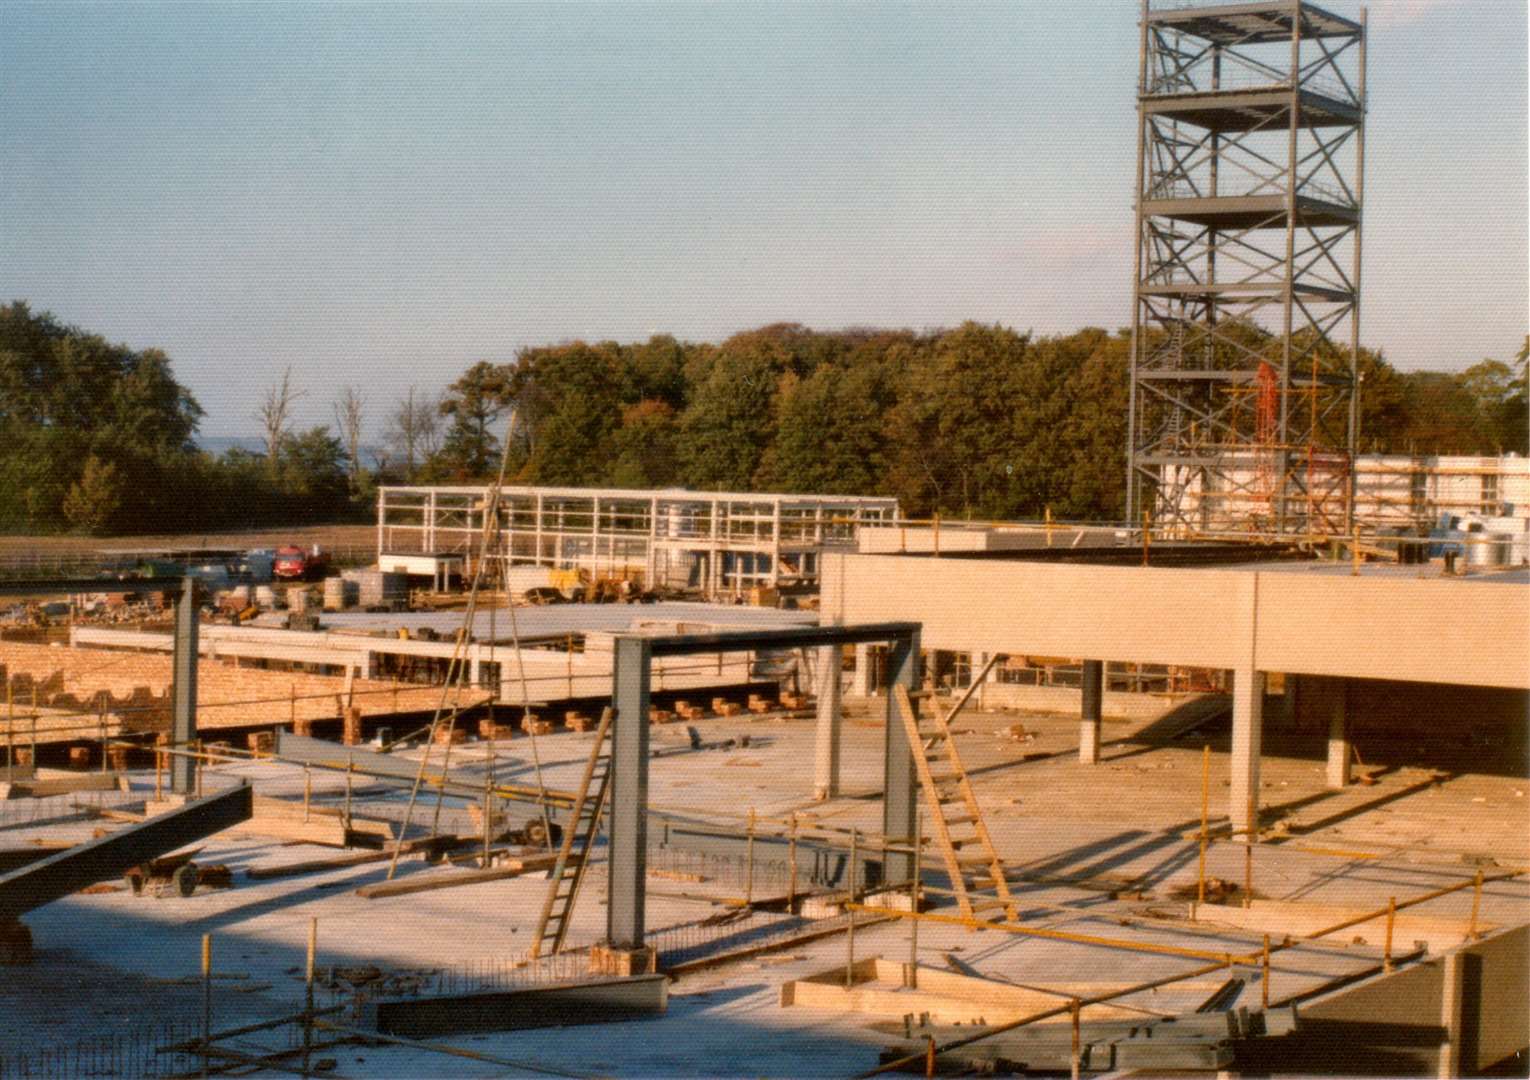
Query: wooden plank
point(45, 787)
point(337, 862)
point(279, 819)
point(447, 879)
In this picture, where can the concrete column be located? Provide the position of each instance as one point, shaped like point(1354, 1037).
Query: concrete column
point(862, 686)
point(183, 689)
point(1339, 751)
point(1247, 739)
point(1452, 995)
point(900, 789)
point(628, 808)
point(1092, 698)
point(830, 720)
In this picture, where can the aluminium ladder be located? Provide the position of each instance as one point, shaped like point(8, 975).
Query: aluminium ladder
point(583, 823)
point(957, 821)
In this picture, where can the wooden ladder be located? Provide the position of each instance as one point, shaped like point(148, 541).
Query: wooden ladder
point(584, 822)
point(958, 828)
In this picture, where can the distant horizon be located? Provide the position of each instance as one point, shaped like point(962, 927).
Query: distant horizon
point(383, 194)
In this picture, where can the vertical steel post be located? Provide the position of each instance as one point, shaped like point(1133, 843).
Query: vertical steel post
point(1137, 263)
point(629, 792)
point(899, 787)
point(1283, 455)
point(1354, 315)
point(183, 690)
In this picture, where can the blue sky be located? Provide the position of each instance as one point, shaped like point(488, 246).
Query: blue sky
point(382, 194)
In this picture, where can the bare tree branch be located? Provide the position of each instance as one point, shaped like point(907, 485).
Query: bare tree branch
point(275, 413)
point(348, 418)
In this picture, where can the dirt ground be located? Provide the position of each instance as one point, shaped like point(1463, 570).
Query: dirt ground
point(47, 547)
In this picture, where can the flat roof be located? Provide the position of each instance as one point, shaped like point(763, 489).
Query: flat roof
point(639, 494)
point(555, 619)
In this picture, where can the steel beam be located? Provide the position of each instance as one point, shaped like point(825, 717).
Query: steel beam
point(783, 638)
point(183, 689)
point(629, 793)
point(114, 854)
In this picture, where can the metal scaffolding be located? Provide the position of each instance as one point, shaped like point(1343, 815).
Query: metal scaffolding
point(715, 541)
point(1246, 322)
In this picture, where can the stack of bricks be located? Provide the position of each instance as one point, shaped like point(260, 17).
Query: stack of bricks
point(724, 707)
point(532, 726)
point(686, 711)
point(657, 715)
point(489, 728)
point(451, 734)
point(577, 721)
point(757, 704)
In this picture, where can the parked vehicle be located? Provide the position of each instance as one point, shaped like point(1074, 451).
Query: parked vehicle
point(295, 564)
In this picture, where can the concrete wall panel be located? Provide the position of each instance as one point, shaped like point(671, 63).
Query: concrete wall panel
point(1461, 632)
point(1466, 632)
point(1101, 612)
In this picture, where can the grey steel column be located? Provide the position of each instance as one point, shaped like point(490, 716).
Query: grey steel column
point(1090, 711)
point(826, 755)
point(629, 793)
point(899, 787)
point(183, 689)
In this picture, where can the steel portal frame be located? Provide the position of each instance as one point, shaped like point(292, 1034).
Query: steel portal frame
point(628, 821)
point(1246, 317)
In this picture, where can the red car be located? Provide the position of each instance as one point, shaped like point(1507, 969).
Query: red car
point(295, 564)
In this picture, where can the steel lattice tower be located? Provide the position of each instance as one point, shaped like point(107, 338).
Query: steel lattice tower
point(1246, 322)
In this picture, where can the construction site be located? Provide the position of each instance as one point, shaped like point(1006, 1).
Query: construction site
point(618, 782)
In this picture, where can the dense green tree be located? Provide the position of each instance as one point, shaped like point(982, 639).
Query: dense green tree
point(470, 449)
point(645, 450)
point(67, 397)
point(831, 432)
point(94, 499)
point(569, 400)
point(951, 434)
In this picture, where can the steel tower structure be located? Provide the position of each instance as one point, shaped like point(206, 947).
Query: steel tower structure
point(1246, 321)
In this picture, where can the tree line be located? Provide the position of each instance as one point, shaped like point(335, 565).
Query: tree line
point(977, 421)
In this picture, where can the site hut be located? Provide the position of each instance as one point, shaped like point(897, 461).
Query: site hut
point(713, 542)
